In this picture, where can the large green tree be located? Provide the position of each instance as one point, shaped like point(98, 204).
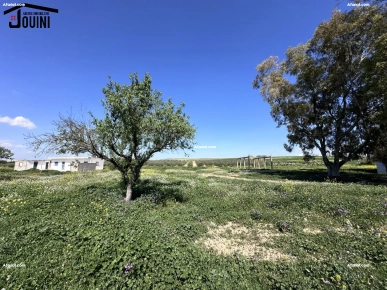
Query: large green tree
point(375, 80)
point(137, 124)
point(5, 153)
point(329, 106)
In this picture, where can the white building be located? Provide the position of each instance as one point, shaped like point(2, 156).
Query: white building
point(61, 164)
point(29, 164)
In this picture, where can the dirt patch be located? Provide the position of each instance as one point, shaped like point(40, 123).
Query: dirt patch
point(251, 243)
point(194, 164)
point(342, 231)
point(186, 165)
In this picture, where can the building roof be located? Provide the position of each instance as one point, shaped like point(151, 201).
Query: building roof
point(59, 158)
point(70, 157)
point(20, 160)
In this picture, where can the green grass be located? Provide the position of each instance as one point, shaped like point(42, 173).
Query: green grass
point(279, 162)
point(7, 173)
point(194, 228)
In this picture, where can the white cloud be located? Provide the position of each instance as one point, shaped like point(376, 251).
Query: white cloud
point(18, 121)
point(4, 143)
point(8, 143)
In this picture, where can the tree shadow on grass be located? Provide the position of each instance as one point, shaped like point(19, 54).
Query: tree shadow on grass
point(159, 192)
point(356, 175)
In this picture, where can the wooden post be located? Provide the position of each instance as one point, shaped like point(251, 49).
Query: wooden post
point(244, 163)
point(259, 164)
point(248, 161)
point(254, 162)
point(271, 163)
point(264, 161)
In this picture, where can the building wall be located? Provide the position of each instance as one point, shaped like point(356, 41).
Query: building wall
point(22, 165)
point(82, 167)
point(68, 161)
point(100, 162)
point(56, 164)
point(29, 164)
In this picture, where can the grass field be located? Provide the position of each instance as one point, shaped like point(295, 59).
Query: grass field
point(194, 228)
point(278, 162)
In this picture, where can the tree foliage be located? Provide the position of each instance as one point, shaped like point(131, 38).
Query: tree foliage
point(137, 124)
point(5, 153)
point(375, 79)
point(335, 100)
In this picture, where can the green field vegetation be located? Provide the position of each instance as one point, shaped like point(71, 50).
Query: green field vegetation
point(194, 228)
point(279, 162)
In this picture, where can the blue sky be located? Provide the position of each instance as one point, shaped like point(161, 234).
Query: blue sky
point(203, 53)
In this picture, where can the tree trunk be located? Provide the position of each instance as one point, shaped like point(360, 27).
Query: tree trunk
point(128, 197)
point(129, 180)
point(334, 170)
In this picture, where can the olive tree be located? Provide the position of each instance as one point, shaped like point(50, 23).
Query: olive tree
point(137, 124)
point(330, 105)
point(5, 153)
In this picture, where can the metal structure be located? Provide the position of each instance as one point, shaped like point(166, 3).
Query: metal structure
point(255, 159)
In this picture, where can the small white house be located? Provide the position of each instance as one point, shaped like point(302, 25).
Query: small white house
point(29, 164)
point(381, 167)
point(71, 163)
point(58, 163)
